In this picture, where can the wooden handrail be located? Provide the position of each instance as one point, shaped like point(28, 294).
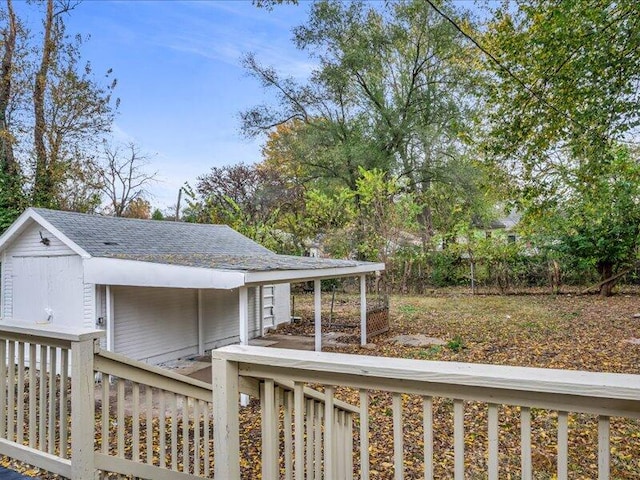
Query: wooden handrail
point(613, 394)
point(120, 366)
point(124, 367)
point(45, 334)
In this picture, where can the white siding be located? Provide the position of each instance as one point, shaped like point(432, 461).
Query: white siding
point(268, 306)
point(46, 287)
point(101, 311)
point(221, 318)
point(155, 324)
point(282, 303)
point(7, 287)
point(89, 305)
point(254, 314)
point(29, 244)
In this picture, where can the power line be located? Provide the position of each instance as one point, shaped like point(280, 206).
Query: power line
point(495, 60)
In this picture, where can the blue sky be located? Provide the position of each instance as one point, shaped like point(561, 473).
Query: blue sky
point(179, 76)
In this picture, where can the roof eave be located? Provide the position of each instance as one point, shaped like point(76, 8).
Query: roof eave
point(302, 275)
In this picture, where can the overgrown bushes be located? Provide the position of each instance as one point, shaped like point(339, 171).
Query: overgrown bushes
point(504, 268)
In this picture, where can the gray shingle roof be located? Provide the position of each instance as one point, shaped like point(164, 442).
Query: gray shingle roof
point(249, 263)
point(177, 243)
point(110, 236)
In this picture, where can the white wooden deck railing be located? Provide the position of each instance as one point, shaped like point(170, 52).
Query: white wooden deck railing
point(136, 419)
point(313, 449)
point(144, 421)
point(278, 400)
point(152, 422)
point(39, 408)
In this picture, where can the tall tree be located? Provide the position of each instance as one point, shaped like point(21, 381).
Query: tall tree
point(566, 96)
point(51, 38)
point(11, 179)
point(70, 110)
point(393, 91)
point(53, 115)
point(9, 43)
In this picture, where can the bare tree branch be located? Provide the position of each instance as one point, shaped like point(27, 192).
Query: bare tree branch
point(124, 177)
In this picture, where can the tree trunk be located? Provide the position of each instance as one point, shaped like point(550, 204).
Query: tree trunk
point(606, 271)
point(11, 180)
point(7, 160)
point(555, 277)
point(43, 182)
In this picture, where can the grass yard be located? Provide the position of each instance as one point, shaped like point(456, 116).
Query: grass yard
point(567, 331)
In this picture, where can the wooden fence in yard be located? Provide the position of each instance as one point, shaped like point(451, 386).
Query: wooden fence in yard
point(71, 409)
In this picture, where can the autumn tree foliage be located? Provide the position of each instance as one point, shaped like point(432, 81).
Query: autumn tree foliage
point(565, 109)
point(393, 91)
point(543, 125)
point(53, 115)
point(250, 198)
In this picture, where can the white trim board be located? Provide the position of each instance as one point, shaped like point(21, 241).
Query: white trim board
point(116, 271)
point(284, 276)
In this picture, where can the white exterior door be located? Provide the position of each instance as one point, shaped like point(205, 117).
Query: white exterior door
point(48, 290)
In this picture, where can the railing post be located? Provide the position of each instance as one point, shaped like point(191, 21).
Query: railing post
point(226, 430)
point(82, 410)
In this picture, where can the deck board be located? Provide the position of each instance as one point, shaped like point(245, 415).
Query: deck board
point(6, 474)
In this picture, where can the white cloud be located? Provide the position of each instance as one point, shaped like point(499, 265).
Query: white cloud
point(120, 135)
point(225, 32)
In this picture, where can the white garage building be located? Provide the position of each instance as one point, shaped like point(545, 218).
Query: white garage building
point(160, 289)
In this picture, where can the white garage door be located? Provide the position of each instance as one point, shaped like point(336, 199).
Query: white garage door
point(48, 288)
point(155, 324)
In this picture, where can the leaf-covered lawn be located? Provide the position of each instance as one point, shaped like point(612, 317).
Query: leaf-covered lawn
point(567, 331)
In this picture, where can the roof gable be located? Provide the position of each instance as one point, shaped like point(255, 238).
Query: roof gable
point(102, 236)
point(28, 218)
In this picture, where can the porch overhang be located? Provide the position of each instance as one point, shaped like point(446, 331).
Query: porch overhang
point(304, 275)
point(145, 273)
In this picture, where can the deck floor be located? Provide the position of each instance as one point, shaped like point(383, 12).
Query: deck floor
point(294, 342)
point(6, 474)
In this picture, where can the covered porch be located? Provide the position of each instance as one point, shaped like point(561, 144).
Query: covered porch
point(315, 271)
point(248, 285)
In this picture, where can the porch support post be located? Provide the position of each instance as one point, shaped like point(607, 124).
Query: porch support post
point(317, 312)
point(363, 309)
point(110, 318)
point(200, 323)
point(243, 309)
point(260, 309)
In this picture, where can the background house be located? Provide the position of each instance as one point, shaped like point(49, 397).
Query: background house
point(161, 290)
